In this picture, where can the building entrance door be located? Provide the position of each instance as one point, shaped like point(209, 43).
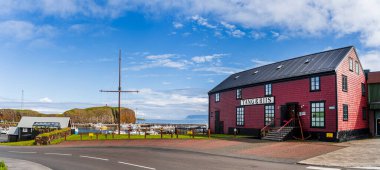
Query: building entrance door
point(378, 127)
point(218, 128)
point(288, 111)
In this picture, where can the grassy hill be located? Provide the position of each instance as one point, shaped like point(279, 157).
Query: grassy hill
point(88, 115)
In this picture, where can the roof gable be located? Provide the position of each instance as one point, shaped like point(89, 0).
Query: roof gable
point(300, 66)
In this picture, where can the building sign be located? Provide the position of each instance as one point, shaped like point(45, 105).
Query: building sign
point(332, 107)
point(255, 101)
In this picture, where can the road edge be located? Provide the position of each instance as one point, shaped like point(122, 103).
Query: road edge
point(20, 164)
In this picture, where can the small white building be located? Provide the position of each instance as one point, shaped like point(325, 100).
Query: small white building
point(24, 129)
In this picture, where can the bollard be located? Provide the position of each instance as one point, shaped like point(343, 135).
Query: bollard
point(80, 136)
point(209, 133)
point(171, 135)
point(129, 134)
point(192, 132)
point(161, 133)
point(65, 135)
point(97, 136)
point(176, 133)
point(145, 135)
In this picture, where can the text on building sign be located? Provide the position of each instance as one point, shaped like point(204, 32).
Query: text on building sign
point(262, 100)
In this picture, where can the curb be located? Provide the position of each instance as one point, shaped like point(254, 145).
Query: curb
point(19, 164)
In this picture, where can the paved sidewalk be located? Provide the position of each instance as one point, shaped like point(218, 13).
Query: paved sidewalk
point(285, 152)
point(358, 153)
point(18, 164)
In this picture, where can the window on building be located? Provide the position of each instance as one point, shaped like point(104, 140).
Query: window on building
point(238, 94)
point(24, 130)
point(268, 89)
point(363, 89)
point(217, 97)
point(356, 67)
point(364, 113)
point(314, 84)
point(317, 114)
point(344, 83)
point(269, 114)
point(345, 112)
point(240, 116)
point(351, 64)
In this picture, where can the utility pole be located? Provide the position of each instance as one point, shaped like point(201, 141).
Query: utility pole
point(119, 91)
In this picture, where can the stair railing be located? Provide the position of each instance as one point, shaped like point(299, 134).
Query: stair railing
point(264, 131)
point(290, 123)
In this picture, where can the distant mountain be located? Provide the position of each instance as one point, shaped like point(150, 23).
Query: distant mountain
point(205, 117)
point(88, 115)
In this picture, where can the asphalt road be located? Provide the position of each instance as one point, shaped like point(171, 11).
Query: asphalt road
point(134, 159)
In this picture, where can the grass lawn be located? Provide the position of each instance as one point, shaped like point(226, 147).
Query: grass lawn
point(21, 143)
point(109, 137)
point(116, 137)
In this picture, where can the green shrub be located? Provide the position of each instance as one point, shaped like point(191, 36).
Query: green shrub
point(47, 138)
point(3, 166)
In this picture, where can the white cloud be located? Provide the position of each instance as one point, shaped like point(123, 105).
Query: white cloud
point(304, 17)
point(258, 62)
point(328, 48)
point(237, 33)
point(198, 44)
point(218, 70)
point(45, 100)
point(371, 60)
point(257, 35)
point(166, 83)
point(278, 36)
point(202, 21)
point(206, 58)
point(24, 30)
point(177, 25)
point(162, 56)
point(232, 31)
point(172, 104)
point(78, 28)
point(228, 26)
point(162, 60)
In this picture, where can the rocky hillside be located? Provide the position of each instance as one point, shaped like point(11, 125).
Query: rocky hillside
point(88, 115)
point(100, 114)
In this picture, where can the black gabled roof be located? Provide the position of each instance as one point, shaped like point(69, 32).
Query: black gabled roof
point(321, 62)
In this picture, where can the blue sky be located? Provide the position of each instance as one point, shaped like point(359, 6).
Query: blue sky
point(61, 53)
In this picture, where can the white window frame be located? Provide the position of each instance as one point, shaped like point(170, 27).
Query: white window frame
point(351, 64)
point(240, 116)
point(268, 89)
point(315, 84)
point(239, 94)
point(217, 97)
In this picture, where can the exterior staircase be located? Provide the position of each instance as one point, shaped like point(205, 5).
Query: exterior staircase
point(278, 133)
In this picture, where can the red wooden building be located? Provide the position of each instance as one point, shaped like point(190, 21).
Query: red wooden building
point(322, 95)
